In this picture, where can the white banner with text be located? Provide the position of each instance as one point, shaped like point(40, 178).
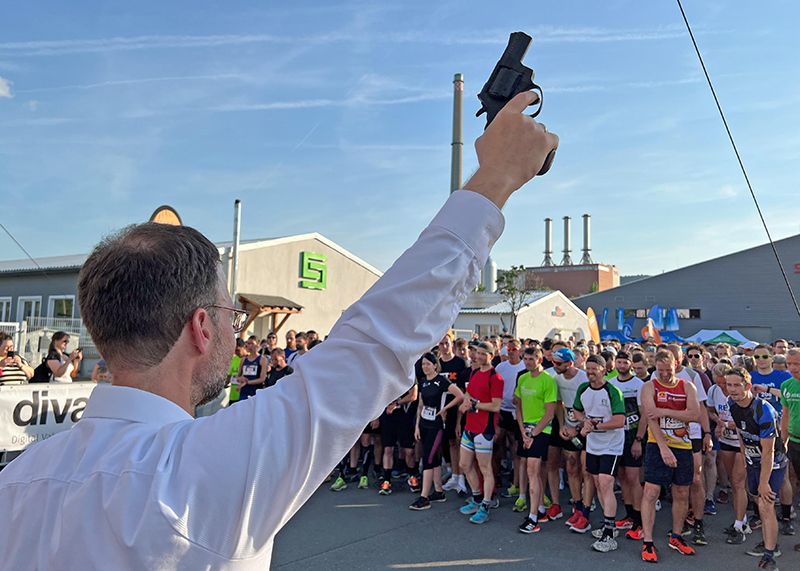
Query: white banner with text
point(34, 412)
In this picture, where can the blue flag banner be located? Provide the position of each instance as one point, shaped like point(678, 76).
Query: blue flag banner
point(627, 328)
point(605, 318)
point(620, 318)
point(672, 320)
point(656, 313)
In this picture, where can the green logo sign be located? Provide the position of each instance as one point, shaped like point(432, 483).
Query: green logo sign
point(313, 270)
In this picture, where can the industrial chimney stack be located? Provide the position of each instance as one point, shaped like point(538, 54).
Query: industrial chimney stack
point(567, 261)
point(587, 245)
point(548, 243)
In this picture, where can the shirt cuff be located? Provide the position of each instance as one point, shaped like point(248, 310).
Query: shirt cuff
point(472, 217)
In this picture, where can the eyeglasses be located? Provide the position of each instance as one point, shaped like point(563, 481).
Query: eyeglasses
point(695, 356)
point(238, 319)
point(762, 356)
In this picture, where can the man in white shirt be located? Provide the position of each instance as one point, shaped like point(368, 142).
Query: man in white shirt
point(139, 484)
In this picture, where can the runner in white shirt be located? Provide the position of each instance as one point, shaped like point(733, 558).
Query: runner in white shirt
point(139, 484)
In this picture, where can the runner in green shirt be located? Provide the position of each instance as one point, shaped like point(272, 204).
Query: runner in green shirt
point(233, 371)
point(535, 399)
point(790, 420)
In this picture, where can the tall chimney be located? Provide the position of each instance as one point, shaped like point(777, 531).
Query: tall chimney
point(567, 261)
point(458, 143)
point(587, 245)
point(548, 243)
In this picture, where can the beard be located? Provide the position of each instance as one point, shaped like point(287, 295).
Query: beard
point(211, 379)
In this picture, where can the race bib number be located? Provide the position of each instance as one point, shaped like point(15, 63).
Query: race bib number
point(529, 426)
point(752, 452)
point(729, 434)
point(667, 423)
point(571, 416)
point(596, 419)
point(250, 370)
point(631, 421)
point(428, 413)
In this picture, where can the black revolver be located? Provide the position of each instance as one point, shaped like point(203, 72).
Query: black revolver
point(509, 78)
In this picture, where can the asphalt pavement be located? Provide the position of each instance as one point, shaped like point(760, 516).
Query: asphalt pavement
point(360, 529)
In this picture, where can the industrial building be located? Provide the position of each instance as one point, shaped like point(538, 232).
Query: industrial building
point(571, 279)
point(743, 291)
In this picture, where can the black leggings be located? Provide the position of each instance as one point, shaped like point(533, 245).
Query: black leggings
point(793, 452)
point(432, 441)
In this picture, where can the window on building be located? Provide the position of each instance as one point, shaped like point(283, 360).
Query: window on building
point(694, 314)
point(641, 313)
point(61, 307)
point(28, 307)
point(630, 313)
point(5, 309)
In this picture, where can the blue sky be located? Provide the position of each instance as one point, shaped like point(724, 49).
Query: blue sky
point(335, 117)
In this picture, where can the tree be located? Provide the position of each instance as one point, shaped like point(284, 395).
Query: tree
point(516, 291)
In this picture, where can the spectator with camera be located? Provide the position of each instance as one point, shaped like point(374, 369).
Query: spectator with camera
point(15, 370)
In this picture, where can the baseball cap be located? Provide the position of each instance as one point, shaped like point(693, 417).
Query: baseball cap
point(563, 355)
point(749, 345)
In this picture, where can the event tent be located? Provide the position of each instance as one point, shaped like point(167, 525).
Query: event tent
point(731, 336)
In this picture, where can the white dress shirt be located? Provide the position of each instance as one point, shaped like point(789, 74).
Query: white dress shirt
point(139, 484)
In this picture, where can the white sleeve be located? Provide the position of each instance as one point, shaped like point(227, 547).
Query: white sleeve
point(241, 474)
point(698, 383)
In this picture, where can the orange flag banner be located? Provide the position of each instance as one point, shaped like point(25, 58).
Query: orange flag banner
point(594, 330)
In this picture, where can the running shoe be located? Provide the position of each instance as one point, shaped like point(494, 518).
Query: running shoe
point(529, 526)
point(469, 508)
point(625, 523)
point(679, 545)
point(520, 505)
point(494, 503)
point(636, 533)
point(421, 503)
point(512, 491)
point(658, 505)
point(699, 534)
point(481, 516)
point(758, 550)
point(723, 497)
point(755, 522)
point(462, 488)
point(575, 515)
point(437, 497)
point(690, 519)
point(363, 483)
point(554, 512)
point(605, 544)
point(768, 563)
point(338, 485)
point(787, 527)
point(386, 488)
point(735, 536)
point(581, 524)
point(649, 554)
point(598, 533)
point(413, 484)
point(451, 484)
point(710, 507)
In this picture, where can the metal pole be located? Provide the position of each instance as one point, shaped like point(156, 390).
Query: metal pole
point(237, 222)
point(458, 143)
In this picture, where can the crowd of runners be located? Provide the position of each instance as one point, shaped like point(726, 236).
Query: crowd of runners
point(577, 423)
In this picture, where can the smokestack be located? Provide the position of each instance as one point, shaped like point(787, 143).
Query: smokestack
point(587, 245)
point(237, 226)
point(490, 276)
point(567, 261)
point(548, 243)
point(458, 143)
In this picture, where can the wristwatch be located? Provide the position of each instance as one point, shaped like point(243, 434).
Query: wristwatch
point(638, 439)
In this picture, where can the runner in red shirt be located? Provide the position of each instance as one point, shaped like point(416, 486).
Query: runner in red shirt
point(482, 407)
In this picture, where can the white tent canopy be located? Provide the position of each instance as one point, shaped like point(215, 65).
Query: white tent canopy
point(705, 335)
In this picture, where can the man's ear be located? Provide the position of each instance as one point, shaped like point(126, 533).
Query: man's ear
point(201, 330)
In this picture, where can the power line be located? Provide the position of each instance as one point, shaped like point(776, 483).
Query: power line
point(21, 247)
point(739, 158)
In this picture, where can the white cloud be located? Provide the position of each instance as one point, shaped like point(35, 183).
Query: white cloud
point(5, 87)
